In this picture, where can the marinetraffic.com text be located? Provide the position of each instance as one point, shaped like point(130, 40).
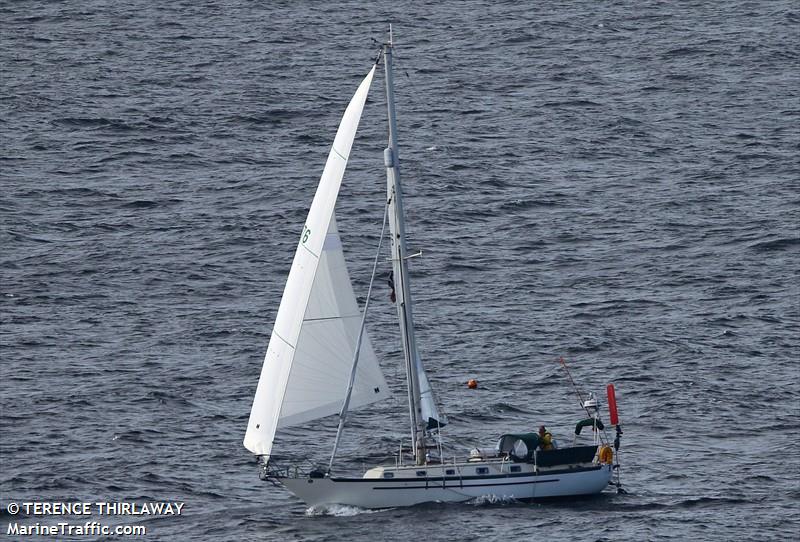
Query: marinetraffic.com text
point(72, 518)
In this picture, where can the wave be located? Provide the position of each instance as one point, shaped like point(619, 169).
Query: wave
point(493, 500)
point(776, 244)
point(339, 510)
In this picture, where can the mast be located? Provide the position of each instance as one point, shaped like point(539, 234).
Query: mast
point(400, 267)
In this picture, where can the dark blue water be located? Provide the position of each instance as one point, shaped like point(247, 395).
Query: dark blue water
point(614, 182)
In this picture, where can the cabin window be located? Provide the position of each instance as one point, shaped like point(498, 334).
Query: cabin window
point(450, 471)
point(515, 468)
point(482, 470)
point(388, 475)
point(421, 473)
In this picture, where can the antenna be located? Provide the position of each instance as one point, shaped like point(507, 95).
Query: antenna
point(391, 41)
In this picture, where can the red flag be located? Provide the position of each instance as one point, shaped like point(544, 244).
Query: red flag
point(612, 405)
point(392, 296)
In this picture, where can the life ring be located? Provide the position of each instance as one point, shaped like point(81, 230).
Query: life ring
point(606, 455)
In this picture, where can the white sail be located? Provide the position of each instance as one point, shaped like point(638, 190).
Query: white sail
point(427, 400)
point(313, 268)
point(324, 355)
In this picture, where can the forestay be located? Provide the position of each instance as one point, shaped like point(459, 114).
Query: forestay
point(308, 359)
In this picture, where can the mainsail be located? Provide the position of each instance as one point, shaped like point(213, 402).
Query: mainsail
point(310, 352)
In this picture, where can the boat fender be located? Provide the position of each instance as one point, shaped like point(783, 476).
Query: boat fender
point(606, 455)
point(388, 157)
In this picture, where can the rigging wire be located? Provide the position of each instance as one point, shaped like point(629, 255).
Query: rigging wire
point(604, 438)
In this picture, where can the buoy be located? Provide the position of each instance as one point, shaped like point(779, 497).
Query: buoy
point(472, 383)
point(612, 405)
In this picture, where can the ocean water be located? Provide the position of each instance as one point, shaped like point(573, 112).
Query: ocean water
point(615, 183)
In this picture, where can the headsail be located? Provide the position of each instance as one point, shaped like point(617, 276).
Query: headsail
point(318, 319)
point(327, 343)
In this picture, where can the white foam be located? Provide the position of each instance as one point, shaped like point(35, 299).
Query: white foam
point(337, 510)
point(485, 500)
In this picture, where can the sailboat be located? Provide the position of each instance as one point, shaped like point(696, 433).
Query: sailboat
point(320, 362)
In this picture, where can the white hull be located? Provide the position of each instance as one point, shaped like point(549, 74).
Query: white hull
point(380, 493)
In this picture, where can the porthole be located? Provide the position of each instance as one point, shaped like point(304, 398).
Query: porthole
point(516, 468)
point(421, 473)
point(388, 475)
point(450, 472)
point(482, 470)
